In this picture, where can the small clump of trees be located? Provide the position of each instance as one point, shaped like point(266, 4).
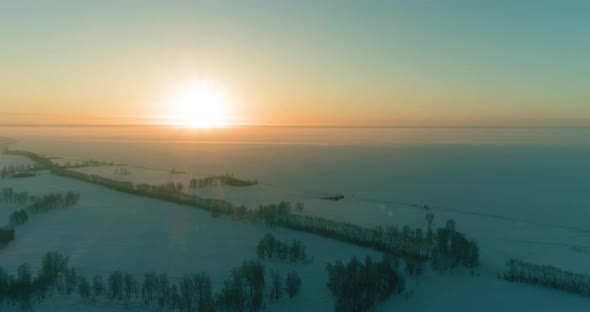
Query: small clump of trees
point(43, 204)
point(547, 276)
point(358, 285)
point(227, 179)
point(6, 235)
point(85, 163)
point(122, 171)
point(269, 247)
point(271, 213)
point(38, 204)
point(452, 249)
point(293, 284)
point(18, 217)
point(243, 290)
point(52, 201)
point(18, 171)
point(10, 196)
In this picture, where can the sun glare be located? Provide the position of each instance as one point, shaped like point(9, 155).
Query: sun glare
point(200, 105)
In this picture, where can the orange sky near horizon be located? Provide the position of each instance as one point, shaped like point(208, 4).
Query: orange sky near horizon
point(297, 62)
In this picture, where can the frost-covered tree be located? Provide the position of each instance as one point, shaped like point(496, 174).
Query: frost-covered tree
point(276, 286)
point(293, 284)
point(83, 287)
point(115, 283)
point(98, 288)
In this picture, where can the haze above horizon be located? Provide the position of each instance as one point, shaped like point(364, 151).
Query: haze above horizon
point(295, 63)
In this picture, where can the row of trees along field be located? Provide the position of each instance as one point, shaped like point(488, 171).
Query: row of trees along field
point(547, 276)
point(10, 196)
point(17, 171)
point(43, 204)
point(170, 192)
point(359, 285)
point(244, 290)
point(85, 163)
point(447, 247)
point(227, 179)
point(269, 247)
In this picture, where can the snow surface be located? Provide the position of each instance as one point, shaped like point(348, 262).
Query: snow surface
point(523, 201)
point(117, 231)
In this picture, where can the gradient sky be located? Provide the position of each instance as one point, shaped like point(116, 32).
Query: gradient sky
point(468, 63)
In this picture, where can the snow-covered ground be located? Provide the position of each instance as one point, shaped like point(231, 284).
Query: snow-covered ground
point(519, 192)
point(501, 236)
point(116, 231)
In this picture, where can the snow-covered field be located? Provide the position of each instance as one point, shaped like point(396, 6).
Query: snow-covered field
point(501, 236)
point(111, 230)
point(527, 203)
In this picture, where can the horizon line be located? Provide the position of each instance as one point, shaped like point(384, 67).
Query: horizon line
point(130, 125)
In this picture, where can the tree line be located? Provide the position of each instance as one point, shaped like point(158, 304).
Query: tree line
point(172, 192)
point(85, 163)
point(227, 179)
point(547, 276)
point(270, 247)
point(358, 285)
point(38, 204)
point(244, 290)
point(17, 171)
point(9, 195)
point(43, 204)
point(447, 247)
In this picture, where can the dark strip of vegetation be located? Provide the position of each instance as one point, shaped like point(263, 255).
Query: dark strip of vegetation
point(6, 235)
point(155, 189)
point(269, 247)
point(44, 204)
point(293, 284)
point(8, 195)
point(18, 171)
point(86, 163)
point(227, 179)
point(122, 171)
point(453, 249)
point(358, 286)
point(547, 276)
point(445, 246)
point(242, 291)
point(38, 204)
point(334, 198)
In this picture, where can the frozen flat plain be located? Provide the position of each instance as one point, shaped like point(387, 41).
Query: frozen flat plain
point(111, 230)
point(523, 195)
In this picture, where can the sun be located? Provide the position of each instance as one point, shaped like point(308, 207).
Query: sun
point(200, 104)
